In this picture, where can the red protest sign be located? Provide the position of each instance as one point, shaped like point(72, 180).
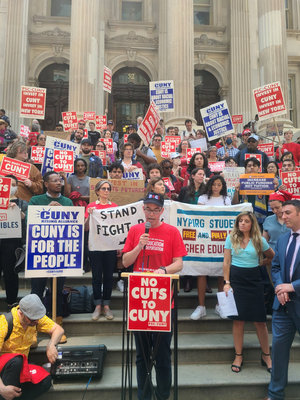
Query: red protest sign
point(107, 77)
point(267, 148)
point(190, 152)
point(125, 136)
point(269, 101)
point(86, 134)
point(169, 183)
point(89, 115)
point(63, 161)
point(5, 184)
point(109, 145)
point(33, 102)
point(149, 303)
point(37, 154)
point(258, 156)
point(167, 148)
point(237, 119)
point(24, 131)
point(101, 154)
point(176, 139)
point(291, 180)
point(69, 120)
point(147, 128)
point(216, 166)
point(11, 166)
point(101, 122)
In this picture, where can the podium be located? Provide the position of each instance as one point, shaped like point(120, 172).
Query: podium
point(149, 311)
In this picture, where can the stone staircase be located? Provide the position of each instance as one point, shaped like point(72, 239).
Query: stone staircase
point(205, 352)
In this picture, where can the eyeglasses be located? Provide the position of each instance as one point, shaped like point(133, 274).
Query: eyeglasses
point(107, 189)
point(149, 211)
point(169, 167)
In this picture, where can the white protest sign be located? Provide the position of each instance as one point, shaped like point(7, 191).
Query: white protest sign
point(10, 223)
point(232, 178)
point(217, 120)
point(162, 93)
point(202, 143)
point(136, 174)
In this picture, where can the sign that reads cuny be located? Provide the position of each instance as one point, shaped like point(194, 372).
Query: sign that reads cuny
point(292, 181)
point(269, 101)
point(89, 115)
point(267, 148)
point(11, 166)
point(5, 184)
point(101, 122)
point(176, 139)
point(109, 144)
point(217, 120)
point(149, 303)
point(54, 241)
point(162, 93)
point(237, 119)
point(63, 161)
point(69, 120)
point(147, 128)
point(37, 154)
point(107, 76)
point(33, 102)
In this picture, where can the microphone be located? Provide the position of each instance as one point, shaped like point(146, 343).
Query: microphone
point(147, 227)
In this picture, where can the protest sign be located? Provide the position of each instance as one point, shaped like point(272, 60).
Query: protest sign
point(216, 166)
point(24, 131)
point(232, 178)
point(89, 115)
point(167, 148)
point(33, 102)
point(269, 101)
point(257, 156)
point(149, 303)
point(102, 155)
point(136, 174)
point(204, 230)
point(125, 137)
point(271, 129)
point(58, 135)
point(267, 148)
point(63, 161)
point(59, 144)
point(147, 128)
point(70, 120)
point(176, 139)
point(12, 166)
point(10, 223)
point(54, 246)
point(101, 122)
point(169, 183)
point(5, 184)
point(217, 120)
point(37, 154)
point(107, 78)
point(292, 181)
point(261, 184)
point(191, 152)
point(109, 145)
point(237, 119)
point(162, 93)
point(124, 191)
point(199, 143)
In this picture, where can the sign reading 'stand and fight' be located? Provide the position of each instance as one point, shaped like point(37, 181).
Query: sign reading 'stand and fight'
point(217, 120)
point(269, 101)
point(162, 93)
point(54, 241)
point(149, 303)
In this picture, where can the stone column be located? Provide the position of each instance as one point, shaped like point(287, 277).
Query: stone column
point(86, 57)
point(15, 61)
point(176, 56)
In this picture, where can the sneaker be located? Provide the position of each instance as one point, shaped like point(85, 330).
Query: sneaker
point(96, 314)
point(120, 285)
point(199, 312)
point(219, 312)
point(108, 314)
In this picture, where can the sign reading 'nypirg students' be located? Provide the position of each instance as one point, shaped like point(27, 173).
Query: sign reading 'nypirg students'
point(54, 246)
point(217, 120)
point(162, 93)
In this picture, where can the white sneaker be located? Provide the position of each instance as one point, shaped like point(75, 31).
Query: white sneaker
point(120, 285)
point(219, 312)
point(199, 312)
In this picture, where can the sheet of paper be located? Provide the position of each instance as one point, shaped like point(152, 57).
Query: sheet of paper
point(227, 303)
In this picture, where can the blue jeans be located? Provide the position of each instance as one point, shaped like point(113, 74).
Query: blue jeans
point(285, 323)
point(146, 343)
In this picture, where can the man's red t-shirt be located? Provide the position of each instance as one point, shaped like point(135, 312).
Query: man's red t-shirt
point(294, 148)
point(164, 244)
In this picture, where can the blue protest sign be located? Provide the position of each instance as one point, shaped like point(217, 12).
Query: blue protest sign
point(217, 120)
point(162, 93)
point(54, 245)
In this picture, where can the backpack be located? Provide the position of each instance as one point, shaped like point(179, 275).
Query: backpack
point(9, 319)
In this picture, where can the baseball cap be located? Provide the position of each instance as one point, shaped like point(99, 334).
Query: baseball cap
point(154, 198)
point(86, 141)
point(174, 155)
point(110, 122)
point(32, 307)
point(253, 136)
point(246, 131)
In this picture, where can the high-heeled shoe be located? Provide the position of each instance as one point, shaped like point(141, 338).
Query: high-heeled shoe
point(263, 363)
point(238, 367)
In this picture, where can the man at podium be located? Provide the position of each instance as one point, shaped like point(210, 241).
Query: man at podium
point(157, 247)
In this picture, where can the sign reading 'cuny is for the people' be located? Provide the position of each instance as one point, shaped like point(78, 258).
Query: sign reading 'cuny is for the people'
point(149, 303)
point(107, 77)
point(11, 166)
point(147, 128)
point(69, 120)
point(63, 161)
point(217, 120)
point(269, 101)
point(33, 102)
point(5, 184)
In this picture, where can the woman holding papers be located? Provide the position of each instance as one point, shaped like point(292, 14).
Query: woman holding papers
point(245, 250)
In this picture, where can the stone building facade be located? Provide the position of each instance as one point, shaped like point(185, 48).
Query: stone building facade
point(212, 49)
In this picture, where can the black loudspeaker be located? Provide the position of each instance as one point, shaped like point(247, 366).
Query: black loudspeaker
point(79, 361)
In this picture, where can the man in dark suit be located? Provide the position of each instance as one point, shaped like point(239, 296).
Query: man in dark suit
point(286, 307)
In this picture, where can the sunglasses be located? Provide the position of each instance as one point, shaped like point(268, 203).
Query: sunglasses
point(106, 189)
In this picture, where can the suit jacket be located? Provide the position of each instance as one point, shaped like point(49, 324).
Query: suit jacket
point(278, 272)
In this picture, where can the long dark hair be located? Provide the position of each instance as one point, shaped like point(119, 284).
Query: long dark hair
point(76, 162)
point(191, 189)
point(192, 165)
point(208, 189)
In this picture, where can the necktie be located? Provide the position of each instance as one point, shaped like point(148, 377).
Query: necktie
point(289, 258)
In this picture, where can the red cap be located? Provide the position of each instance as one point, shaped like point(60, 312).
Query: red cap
point(280, 195)
point(247, 131)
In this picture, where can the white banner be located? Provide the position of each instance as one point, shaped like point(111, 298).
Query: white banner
point(10, 223)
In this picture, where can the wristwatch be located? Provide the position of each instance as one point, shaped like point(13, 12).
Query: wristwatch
point(164, 268)
point(226, 282)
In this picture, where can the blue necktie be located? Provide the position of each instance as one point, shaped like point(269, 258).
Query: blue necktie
point(289, 258)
